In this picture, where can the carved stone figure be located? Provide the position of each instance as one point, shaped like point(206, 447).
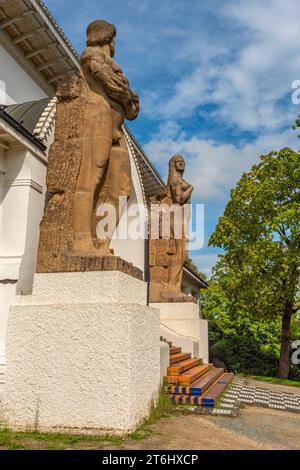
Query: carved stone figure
point(88, 161)
point(168, 254)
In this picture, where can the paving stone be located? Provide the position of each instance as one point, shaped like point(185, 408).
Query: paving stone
point(218, 411)
point(277, 407)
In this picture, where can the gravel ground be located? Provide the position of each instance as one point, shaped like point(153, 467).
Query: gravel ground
point(269, 428)
point(255, 428)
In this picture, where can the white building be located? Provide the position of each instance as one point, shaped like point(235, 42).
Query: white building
point(34, 55)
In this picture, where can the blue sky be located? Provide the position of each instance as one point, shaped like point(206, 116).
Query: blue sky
point(214, 79)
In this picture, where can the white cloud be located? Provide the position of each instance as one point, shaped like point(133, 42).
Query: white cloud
point(214, 168)
point(246, 77)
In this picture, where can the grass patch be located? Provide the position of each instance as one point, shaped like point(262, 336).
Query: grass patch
point(54, 441)
point(7, 440)
point(59, 441)
point(276, 380)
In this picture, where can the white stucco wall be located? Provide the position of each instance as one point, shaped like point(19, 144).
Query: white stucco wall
point(181, 323)
point(19, 86)
point(85, 364)
point(21, 210)
point(133, 249)
point(164, 360)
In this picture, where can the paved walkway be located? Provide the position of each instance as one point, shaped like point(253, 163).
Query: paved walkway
point(266, 395)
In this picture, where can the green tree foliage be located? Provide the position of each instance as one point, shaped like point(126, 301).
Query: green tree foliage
point(245, 342)
point(259, 231)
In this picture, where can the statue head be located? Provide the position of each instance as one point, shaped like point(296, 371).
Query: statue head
point(177, 164)
point(101, 33)
point(176, 169)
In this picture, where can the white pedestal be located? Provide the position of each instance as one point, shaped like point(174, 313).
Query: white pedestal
point(180, 323)
point(82, 354)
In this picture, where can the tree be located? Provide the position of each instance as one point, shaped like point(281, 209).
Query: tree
point(260, 234)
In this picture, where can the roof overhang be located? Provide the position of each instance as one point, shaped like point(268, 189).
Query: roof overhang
point(31, 35)
point(13, 136)
point(197, 280)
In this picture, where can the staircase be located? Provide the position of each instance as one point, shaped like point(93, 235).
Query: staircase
point(189, 381)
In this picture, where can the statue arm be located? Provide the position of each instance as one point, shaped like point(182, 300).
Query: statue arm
point(117, 88)
point(115, 85)
point(179, 195)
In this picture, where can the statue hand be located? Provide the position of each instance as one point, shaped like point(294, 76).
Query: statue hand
point(115, 85)
point(118, 93)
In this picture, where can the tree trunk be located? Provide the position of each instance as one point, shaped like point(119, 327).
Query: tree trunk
point(284, 361)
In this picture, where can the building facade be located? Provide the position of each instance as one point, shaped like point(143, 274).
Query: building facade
point(34, 55)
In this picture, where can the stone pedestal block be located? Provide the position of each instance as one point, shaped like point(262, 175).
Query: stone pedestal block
point(181, 324)
point(82, 354)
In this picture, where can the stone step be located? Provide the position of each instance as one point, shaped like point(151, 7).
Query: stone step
point(211, 397)
point(199, 386)
point(174, 350)
point(206, 381)
point(189, 376)
point(182, 366)
point(179, 357)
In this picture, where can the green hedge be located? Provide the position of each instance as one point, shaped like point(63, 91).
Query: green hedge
point(244, 354)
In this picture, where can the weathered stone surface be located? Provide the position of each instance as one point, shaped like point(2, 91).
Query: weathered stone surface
point(88, 161)
point(167, 256)
point(72, 263)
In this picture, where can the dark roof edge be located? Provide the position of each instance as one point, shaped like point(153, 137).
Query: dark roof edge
point(58, 29)
point(145, 157)
point(204, 284)
point(24, 132)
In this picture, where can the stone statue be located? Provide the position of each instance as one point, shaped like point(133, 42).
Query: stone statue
point(88, 161)
point(168, 255)
point(109, 100)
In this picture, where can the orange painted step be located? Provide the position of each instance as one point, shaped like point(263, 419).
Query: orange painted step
point(190, 375)
point(193, 374)
point(179, 357)
point(174, 350)
point(185, 399)
point(182, 366)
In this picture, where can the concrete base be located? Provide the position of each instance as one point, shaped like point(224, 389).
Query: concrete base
point(76, 363)
point(181, 324)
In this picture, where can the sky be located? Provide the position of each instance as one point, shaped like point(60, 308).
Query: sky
point(214, 79)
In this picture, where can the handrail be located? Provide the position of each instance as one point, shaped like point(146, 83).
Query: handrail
point(179, 334)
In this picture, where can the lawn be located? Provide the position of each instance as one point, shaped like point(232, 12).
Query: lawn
point(276, 380)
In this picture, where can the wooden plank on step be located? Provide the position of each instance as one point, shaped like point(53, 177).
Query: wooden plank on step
point(174, 350)
point(179, 357)
point(189, 376)
point(182, 366)
point(212, 395)
point(208, 379)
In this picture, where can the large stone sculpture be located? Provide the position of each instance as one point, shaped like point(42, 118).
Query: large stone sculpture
point(88, 161)
point(168, 254)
